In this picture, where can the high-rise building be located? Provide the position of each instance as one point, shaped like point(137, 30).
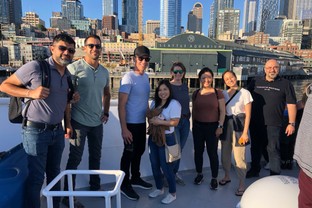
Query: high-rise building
point(4, 11)
point(15, 12)
point(33, 19)
point(284, 8)
point(228, 23)
point(129, 16)
point(170, 17)
point(211, 28)
point(109, 22)
point(195, 18)
point(152, 26)
point(303, 9)
point(109, 7)
point(217, 5)
point(274, 27)
point(249, 17)
point(267, 10)
point(293, 29)
point(58, 21)
point(225, 4)
point(72, 9)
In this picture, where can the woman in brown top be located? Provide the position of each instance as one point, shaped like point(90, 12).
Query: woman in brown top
point(208, 117)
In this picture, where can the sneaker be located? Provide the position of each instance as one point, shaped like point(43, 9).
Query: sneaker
point(139, 183)
point(128, 192)
point(156, 193)
point(214, 184)
point(168, 199)
point(267, 166)
point(77, 204)
point(199, 179)
point(252, 173)
point(179, 180)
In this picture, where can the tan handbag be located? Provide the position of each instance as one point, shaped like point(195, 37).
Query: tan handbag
point(173, 152)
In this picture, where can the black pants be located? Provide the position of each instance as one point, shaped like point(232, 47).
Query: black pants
point(259, 142)
point(205, 133)
point(131, 157)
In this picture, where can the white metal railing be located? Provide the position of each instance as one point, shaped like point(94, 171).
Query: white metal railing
point(119, 175)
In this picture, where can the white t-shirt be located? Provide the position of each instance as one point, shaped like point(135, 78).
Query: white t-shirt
point(237, 104)
point(172, 111)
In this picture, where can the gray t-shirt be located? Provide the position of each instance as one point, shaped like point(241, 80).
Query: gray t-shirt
point(50, 110)
point(303, 153)
point(181, 94)
point(138, 89)
point(90, 86)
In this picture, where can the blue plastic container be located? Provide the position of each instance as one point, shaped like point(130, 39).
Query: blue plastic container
point(13, 173)
point(11, 186)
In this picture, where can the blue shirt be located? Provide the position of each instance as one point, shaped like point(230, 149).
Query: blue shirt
point(138, 89)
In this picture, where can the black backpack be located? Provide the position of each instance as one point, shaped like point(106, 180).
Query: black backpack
point(16, 103)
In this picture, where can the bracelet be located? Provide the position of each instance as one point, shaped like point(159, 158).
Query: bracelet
point(292, 124)
point(106, 114)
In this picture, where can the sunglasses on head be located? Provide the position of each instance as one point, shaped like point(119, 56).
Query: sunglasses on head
point(178, 71)
point(97, 46)
point(146, 59)
point(64, 48)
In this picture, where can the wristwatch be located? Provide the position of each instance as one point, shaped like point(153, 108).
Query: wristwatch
point(220, 126)
point(292, 124)
point(106, 114)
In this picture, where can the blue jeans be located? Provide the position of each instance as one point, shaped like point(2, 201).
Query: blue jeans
point(77, 143)
point(44, 149)
point(159, 164)
point(182, 132)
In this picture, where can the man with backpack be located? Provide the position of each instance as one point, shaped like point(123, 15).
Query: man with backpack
point(42, 132)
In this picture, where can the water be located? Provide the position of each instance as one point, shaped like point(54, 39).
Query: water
point(299, 86)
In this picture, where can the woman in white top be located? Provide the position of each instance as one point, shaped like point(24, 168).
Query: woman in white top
point(235, 140)
point(168, 118)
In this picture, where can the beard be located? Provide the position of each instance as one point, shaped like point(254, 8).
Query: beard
point(64, 62)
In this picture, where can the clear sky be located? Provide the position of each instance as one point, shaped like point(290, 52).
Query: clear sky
point(93, 9)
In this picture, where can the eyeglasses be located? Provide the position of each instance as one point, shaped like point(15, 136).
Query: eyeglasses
point(274, 67)
point(97, 46)
point(146, 59)
point(64, 48)
point(178, 71)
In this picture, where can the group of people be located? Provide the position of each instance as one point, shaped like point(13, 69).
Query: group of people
point(225, 115)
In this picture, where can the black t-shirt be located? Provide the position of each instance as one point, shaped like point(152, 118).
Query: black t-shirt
point(270, 99)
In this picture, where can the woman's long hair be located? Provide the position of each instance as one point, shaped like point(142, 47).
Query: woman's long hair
point(157, 99)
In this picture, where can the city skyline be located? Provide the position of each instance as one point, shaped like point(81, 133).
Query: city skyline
point(93, 9)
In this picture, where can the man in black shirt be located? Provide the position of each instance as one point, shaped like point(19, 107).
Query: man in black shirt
point(271, 94)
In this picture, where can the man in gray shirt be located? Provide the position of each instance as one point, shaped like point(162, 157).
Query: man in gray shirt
point(43, 134)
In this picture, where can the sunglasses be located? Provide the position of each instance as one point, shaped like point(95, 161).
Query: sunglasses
point(97, 46)
point(64, 48)
point(178, 71)
point(146, 59)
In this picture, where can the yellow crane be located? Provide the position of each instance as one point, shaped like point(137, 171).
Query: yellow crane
point(140, 21)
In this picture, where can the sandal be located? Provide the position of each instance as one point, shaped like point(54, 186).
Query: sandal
point(239, 192)
point(224, 182)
